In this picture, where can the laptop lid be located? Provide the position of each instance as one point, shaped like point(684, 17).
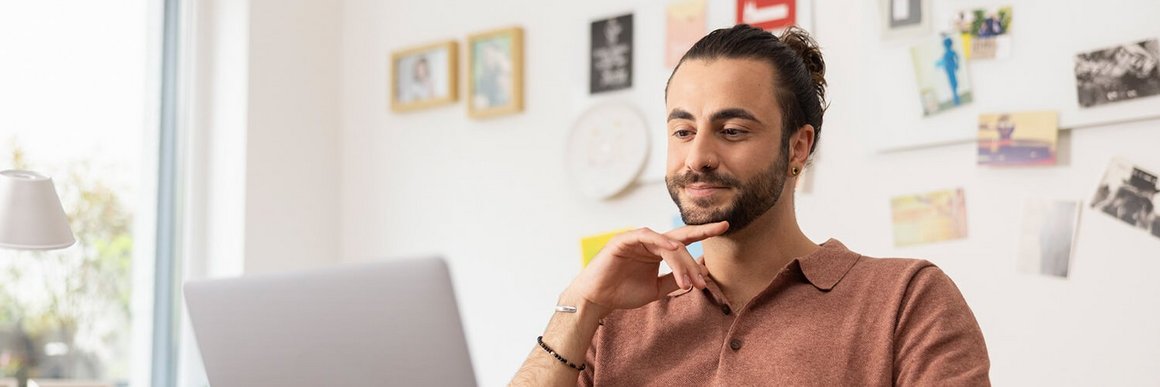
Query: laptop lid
point(374, 324)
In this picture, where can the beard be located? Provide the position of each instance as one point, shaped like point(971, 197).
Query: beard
point(755, 197)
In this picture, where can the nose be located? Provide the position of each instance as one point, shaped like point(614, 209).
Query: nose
point(702, 156)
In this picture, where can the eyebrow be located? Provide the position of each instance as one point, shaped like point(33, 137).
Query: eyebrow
point(721, 115)
point(678, 114)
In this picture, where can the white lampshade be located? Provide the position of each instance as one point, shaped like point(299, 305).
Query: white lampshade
point(31, 217)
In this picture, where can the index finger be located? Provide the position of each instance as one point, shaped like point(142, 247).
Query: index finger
point(698, 232)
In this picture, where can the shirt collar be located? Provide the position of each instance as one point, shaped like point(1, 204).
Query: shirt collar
point(823, 268)
point(827, 266)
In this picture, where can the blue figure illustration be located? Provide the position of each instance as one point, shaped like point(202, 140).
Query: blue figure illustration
point(950, 63)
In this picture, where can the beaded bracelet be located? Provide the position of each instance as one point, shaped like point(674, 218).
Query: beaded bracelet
point(548, 349)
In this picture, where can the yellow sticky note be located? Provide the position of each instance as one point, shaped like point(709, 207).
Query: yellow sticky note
point(591, 245)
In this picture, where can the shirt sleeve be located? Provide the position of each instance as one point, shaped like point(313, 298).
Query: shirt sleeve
point(937, 340)
point(588, 375)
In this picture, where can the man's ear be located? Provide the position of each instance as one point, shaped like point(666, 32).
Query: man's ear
point(799, 146)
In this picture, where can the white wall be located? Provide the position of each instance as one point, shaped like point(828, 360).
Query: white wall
point(492, 195)
point(292, 142)
point(263, 134)
point(261, 147)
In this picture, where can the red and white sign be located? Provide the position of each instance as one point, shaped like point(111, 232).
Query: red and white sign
point(767, 14)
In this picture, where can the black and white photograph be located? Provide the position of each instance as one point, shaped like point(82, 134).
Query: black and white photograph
point(611, 59)
point(1119, 73)
point(1047, 237)
point(904, 19)
point(1130, 194)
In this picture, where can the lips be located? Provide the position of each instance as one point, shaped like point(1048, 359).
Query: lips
point(701, 189)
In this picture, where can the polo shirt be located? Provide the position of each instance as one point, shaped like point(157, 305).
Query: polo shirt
point(833, 317)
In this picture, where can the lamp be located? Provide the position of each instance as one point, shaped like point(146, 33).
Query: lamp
point(31, 217)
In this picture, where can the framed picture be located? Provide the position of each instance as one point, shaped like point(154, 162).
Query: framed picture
point(425, 76)
point(495, 72)
point(610, 66)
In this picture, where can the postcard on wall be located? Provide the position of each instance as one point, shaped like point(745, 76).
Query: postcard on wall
point(610, 62)
point(941, 73)
point(1047, 236)
point(930, 217)
point(985, 32)
point(424, 76)
point(1118, 73)
point(592, 244)
point(685, 26)
point(904, 18)
point(1131, 194)
point(495, 78)
point(1018, 139)
point(694, 248)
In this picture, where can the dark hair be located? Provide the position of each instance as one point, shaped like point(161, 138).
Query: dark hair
point(798, 70)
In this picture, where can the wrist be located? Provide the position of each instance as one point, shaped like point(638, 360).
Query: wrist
point(585, 309)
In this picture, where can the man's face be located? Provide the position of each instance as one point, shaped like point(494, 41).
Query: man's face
point(724, 129)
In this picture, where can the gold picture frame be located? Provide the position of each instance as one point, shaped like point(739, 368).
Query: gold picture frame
point(424, 76)
point(495, 72)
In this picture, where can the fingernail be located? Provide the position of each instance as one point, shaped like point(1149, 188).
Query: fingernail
point(688, 282)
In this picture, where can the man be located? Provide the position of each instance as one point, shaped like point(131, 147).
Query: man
point(765, 305)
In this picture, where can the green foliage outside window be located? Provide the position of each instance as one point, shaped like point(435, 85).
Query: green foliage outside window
point(66, 313)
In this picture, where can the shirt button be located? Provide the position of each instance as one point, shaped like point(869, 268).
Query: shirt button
point(725, 309)
point(735, 344)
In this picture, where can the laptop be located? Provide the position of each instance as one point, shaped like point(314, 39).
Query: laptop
point(393, 323)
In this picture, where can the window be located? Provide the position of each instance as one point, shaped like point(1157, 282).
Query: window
point(75, 104)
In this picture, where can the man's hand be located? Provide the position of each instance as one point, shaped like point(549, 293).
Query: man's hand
point(624, 274)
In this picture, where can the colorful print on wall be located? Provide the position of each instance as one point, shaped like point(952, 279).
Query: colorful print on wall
point(930, 217)
point(1047, 236)
point(591, 245)
point(941, 72)
point(495, 74)
point(694, 248)
point(767, 14)
point(1018, 139)
point(1120, 73)
point(610, 66)
point(985, 32)
point(685, 26)
point(1130, 194)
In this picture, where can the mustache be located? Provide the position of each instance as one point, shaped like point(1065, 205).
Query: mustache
point(713, 178)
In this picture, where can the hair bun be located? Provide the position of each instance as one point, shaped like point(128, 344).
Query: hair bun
point(807, 49)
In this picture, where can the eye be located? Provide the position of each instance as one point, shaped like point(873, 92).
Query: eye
point(682, 133)
point(732, 132)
